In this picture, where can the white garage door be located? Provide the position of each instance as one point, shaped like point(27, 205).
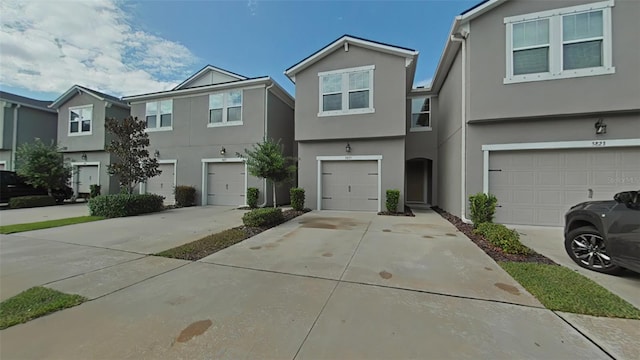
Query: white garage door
point(350, 185)
point(1, 166)
point(225, 184)
point(163, 184)
point(87, 175)
point(538, 187)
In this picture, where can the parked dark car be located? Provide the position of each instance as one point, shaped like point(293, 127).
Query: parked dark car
point(604, 236)
point(11, 185)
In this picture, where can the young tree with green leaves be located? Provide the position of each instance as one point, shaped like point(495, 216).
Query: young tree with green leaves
point(267, 161)
point(129, 144)
point(42, 165)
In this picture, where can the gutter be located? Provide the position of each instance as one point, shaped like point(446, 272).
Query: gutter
point(14, 144)
point(266, 112)
point(461, 37)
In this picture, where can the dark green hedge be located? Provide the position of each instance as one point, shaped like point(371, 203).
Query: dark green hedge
point(120, 205)
point(185, 195)
point(31, 201)
point(506, 239)
point(263, 217)
point(393, 197)
point(297, 198)
point(252, 197)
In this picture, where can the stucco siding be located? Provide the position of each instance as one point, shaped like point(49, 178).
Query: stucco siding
point(489, 98)
point(389, 96)
point(280, 118)
point(392, 172)
point(34, 123)
point(93, 142)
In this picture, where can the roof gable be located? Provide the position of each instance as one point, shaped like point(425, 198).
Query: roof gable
point(77, 89)
point(408, 54)
point(209, 75)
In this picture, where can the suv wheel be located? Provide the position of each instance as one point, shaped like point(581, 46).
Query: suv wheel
point(586, 248)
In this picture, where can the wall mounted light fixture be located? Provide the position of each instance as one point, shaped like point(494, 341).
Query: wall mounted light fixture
point(156, 153)
point(84, 156)
point(223, 151)
point(347, 148)
point(601, 127)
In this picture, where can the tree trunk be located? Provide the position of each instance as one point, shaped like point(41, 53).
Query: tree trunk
point(274, 194)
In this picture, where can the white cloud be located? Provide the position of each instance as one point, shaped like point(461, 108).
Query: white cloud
point(47, 46)
point(423, 83)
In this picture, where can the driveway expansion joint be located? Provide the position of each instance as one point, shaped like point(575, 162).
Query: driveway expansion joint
point(89, 246)
point(584, 335)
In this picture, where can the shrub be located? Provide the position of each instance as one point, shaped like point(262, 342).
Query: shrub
point(297, 198)
point(506, 239)
point(120, 205)
point(94, 190)
point(185, 195)
point(252, 197)
point(31, 201)
point(483, 207)
point(392, 200)
point(263, 217)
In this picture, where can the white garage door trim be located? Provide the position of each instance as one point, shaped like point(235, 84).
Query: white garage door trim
point(143, 186)
point(320, 159)
point(205, 163)
point(83, 163)
point(584, 144)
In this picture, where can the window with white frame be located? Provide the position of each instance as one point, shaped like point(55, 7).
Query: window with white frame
point(346, 91)
point(159, 115)
point(420, 113)
point(560, 43)
point(80, 118)
point(225, 108)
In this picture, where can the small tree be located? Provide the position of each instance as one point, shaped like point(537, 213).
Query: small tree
point(129, 144)
point(42, 165)
point(266, 161)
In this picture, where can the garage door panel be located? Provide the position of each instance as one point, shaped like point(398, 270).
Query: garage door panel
point(350, 185)
point(163, 184)
point(225, 184)
point(87, 176)
point(562, 178)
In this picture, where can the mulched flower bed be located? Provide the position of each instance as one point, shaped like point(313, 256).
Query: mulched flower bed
point(493, 251)
point(407, 212)
point(213, 243)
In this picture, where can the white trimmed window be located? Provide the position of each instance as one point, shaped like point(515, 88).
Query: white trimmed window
point(560, 43)
point(346, 91)
point(159, 115)
point(225, 109)
point(80, 118)
point(420, 114)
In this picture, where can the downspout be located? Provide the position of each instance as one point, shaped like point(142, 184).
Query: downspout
point(461, 37)
point(266, 107)
point(14, 145)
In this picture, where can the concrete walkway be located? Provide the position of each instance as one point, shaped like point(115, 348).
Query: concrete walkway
point(21, 216)
point(326, 285)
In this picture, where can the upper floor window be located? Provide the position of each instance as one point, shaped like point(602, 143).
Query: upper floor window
point(80, 118)
point(420, 114)
point(561, 43)
point(159, 115)
point(347, 91)
point(225, 108)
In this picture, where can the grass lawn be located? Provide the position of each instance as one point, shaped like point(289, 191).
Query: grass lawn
point(206, 246)
point(35, 302)
point(562, 289)
point(10, 229)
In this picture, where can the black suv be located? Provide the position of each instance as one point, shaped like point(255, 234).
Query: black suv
point(604, 236)
point(11, 185)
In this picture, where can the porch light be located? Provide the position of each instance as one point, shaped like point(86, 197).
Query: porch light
point(601, 127)
point(223, 151)
point(347, 148)
point(84, 156)
point(156, 153)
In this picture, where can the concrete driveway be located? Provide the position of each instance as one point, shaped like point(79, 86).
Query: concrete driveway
point(20, 216)
point(326, 285)
point(549, 241)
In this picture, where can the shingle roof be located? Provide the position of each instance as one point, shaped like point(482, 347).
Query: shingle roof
point(38, 104)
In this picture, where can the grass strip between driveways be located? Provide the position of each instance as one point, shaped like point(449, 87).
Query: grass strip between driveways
point(206, 246)
point(16, 228)
point(33, 303)
point(562, 289)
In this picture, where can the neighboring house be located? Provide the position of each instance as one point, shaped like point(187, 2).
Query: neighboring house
point(22, 120)
point(361, 129)
point(542, 99)
point(200, 129)
point(82, 136)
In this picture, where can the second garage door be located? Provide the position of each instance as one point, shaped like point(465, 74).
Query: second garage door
point(163, 184)
point(538, 187)
point(350, 185)
point(225, 184)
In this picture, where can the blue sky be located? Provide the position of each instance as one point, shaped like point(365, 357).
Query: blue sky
point(127, 48)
